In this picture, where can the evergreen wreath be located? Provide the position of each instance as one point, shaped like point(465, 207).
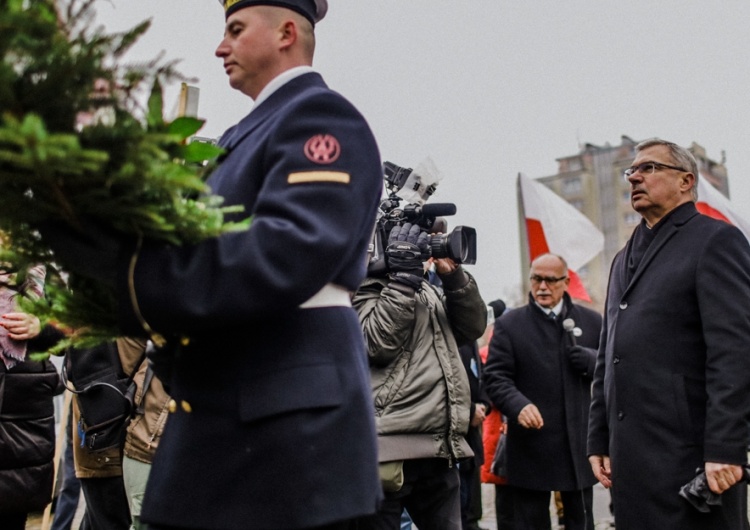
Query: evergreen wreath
point(78, 146)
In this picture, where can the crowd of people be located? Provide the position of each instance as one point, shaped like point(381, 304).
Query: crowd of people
point(281, 383)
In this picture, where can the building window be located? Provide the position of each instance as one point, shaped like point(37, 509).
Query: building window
point(574, 164)
point(572, 185)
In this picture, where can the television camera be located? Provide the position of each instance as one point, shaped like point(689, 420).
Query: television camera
point(404, 184)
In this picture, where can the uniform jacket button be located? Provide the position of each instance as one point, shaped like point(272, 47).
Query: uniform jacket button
point(616, 360)
point(623, 305)
point(172, 406)
point(620, 415)
point(186, 406)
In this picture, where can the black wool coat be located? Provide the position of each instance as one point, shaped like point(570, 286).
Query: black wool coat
point(528, 363)
point(672, 382)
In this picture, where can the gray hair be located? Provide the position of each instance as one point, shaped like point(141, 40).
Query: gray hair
point(680, 157)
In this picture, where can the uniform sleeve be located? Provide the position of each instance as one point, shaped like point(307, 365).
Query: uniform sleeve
point(499, 374)
point(723, 291)
point(311, 221)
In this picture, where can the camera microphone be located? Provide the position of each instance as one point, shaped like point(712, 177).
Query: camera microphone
point(569, 325)
point(439, 209)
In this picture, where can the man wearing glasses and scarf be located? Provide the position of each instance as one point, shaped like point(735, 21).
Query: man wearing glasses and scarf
point(672, 382)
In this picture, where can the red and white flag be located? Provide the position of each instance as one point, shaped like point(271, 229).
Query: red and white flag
point(553, 225)
point(713, 204)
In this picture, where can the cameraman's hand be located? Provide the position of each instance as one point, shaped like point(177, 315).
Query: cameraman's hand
point(92, 252)
point(444, 266)
point(408, 248)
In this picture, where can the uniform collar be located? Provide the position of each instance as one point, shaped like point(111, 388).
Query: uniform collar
point(279, 81)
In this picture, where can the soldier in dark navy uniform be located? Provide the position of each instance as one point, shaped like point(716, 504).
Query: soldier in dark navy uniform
point(272, 421)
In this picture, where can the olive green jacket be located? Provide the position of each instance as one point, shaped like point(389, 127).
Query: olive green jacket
point(419, 385)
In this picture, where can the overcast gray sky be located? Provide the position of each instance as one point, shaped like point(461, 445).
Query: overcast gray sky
point(490, 88)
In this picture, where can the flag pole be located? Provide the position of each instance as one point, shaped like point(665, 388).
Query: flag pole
point(523, 238)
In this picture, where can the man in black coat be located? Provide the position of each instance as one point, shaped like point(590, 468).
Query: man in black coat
point(539, 376)
point(672, 382)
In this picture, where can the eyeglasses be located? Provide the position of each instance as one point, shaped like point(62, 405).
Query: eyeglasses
point(648, 168)
point(535, 278)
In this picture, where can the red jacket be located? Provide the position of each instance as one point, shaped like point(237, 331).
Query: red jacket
point(490, 436)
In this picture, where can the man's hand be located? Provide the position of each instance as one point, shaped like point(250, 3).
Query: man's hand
point(721, 477)
point(480, 413)
point(578, 358)
point(408, 247)
point(444, 266)
point(530, 417)
point(602, 470)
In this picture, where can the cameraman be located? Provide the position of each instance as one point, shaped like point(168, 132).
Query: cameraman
point(419, 385)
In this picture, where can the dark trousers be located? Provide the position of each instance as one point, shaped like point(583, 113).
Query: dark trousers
point(13, 521)
point(430, 494)
point(106, 504)
point(471, 494)
point(531, 509)
point(504, 506)
point(67, 500)
point(340, 525)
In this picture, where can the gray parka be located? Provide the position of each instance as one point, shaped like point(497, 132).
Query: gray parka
point(419, 386)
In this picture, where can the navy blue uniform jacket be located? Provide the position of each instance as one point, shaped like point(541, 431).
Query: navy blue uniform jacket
point(672, 382)
point(274, 422)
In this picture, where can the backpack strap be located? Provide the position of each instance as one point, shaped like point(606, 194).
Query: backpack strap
point(65, 380)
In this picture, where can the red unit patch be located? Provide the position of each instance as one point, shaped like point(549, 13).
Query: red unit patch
point(322, 149)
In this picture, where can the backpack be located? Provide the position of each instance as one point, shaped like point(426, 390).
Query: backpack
point(105, 395)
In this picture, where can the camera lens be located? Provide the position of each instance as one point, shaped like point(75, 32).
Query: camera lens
point(460, 245)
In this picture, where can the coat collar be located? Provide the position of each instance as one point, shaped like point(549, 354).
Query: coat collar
point(566, 307)
point(672, 224)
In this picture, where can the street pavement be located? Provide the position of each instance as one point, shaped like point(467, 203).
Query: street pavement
point(602, 518)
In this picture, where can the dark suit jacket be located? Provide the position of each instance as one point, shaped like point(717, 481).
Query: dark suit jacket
point(274, 421)
point(672, 381)
point(528, 363)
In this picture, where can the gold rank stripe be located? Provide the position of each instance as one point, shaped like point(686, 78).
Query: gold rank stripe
point(306, 177)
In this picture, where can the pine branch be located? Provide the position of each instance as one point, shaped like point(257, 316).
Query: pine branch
point(76, 143)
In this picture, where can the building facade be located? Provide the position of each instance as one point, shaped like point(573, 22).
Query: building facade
point(592, 181)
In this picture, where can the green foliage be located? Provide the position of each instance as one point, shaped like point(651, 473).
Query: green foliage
point(78, 147)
